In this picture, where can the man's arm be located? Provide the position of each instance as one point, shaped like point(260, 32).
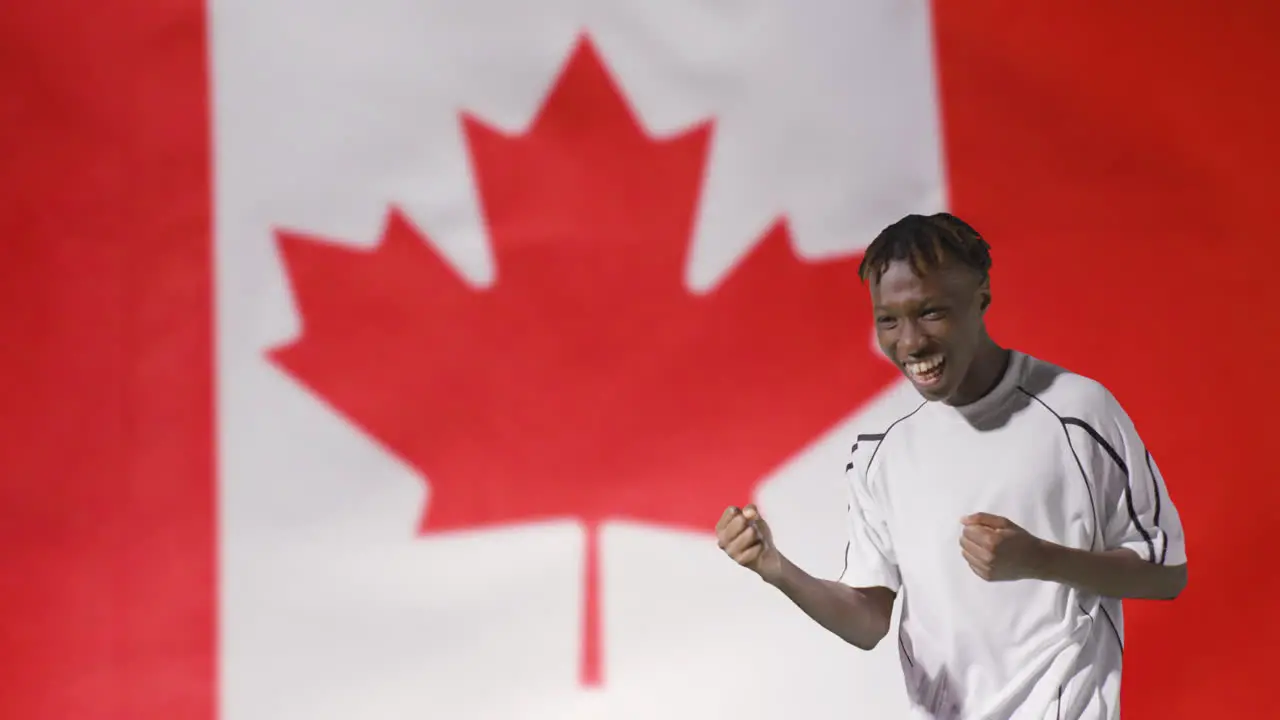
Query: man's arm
point(859, 616)
point(1113, 573)
point(1144, 553)
point(997, 548)
point(857, 608)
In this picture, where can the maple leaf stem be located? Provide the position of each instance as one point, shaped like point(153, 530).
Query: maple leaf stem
point(592, 662)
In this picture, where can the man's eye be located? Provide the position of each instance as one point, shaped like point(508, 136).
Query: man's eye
point(885, 321)
point(933, 314)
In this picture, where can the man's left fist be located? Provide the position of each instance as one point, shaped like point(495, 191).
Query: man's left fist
point(997, 549)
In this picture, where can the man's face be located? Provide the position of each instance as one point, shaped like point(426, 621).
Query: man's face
point(930, 325)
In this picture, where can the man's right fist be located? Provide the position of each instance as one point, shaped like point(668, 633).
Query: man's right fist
point(745, 537)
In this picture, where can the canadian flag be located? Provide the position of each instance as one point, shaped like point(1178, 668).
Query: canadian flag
point(395, 360)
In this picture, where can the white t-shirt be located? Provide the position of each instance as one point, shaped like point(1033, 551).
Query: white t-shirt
point(1052, 451)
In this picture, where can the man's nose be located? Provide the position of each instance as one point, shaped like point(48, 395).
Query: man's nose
point(910, 339)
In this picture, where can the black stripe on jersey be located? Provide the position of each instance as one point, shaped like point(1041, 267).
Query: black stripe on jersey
point(852, 450)
point(880, 438)
point(1155, 517)
point(1098, 437)
point(1097, 518)
point(1155, 487)
point(1114, 630)
point(876, 438)
point(1128, 489)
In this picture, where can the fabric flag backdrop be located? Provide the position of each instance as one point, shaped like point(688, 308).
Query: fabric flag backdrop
point(394, 360)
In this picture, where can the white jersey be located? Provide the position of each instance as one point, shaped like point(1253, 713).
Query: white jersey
point(1052, 451)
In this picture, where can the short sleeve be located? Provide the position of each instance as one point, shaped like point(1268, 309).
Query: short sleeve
point(1136, 509)
point(869, 559)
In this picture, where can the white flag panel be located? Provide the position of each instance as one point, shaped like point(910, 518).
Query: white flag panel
point(331, 604)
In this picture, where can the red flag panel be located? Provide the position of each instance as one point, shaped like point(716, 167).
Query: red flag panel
point(106, 431)
point(1121, 160)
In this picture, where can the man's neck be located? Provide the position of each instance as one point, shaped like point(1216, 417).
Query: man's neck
point(988, 368)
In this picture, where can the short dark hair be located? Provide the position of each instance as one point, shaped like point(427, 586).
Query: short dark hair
point(923, 241)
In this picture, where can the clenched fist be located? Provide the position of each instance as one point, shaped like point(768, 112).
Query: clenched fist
point(745, 537)
point(998, 549)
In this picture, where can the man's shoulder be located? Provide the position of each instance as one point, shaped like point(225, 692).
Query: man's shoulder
point(871, 435)
point(1068, 393)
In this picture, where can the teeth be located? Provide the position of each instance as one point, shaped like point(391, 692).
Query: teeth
point(924, 366)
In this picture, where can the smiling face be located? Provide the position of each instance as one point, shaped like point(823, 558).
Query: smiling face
point(931, 324)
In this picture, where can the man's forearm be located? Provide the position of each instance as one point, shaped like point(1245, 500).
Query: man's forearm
point(1112, 573)
point(858, 617)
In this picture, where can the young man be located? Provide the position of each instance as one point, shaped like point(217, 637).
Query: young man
point(1012, 509)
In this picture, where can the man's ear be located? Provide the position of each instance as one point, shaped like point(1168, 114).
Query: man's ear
point(984, 292)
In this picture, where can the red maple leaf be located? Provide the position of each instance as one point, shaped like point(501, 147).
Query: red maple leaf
point(587, 381)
